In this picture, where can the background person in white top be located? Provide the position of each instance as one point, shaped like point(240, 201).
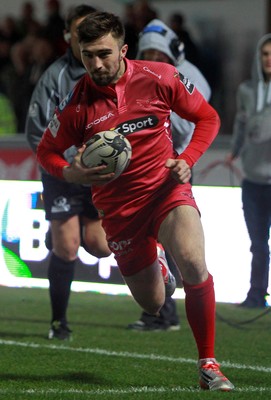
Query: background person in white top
point(251, 141)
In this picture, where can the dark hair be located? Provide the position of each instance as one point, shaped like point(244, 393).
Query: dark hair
point(99, 24)
point(76, 13)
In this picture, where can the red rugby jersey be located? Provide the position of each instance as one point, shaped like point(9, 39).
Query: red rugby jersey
point(139, 107)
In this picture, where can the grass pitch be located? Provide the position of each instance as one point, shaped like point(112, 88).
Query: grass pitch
point(106, 361)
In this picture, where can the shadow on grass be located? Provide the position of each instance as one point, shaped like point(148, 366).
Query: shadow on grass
point(74, 323)
point(82, 378)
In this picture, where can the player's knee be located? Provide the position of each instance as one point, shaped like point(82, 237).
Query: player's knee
point(154, 308)
point(100, 253)
point(67, 251)
point(152, 303)
point(194, 271)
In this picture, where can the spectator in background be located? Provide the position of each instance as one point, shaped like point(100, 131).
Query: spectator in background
point(177, 24)
point(137, 14)
point(8, 30)
point(42, 55)
point(9, 36)
point(144, 13)
point(68, 207)
point(131, 29)
point(144, 10)
point(206, 55)
point(55, 26)
point(157, 42)
point(17, 80)
point(14, 53)
point(30, 58)
point(27, 23)
point(252, 142)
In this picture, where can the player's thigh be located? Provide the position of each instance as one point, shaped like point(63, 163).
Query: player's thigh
point(66, 237)
point(182, 235)
point(148, 288)
point(95, 238)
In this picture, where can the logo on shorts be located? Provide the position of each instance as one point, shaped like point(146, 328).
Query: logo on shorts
point(60, 205)
point(120, 248)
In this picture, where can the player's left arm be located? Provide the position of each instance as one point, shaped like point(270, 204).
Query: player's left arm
point(186, 101)
point(207, 124)
point(189, 104)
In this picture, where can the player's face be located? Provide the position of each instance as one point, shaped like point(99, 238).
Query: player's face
point(266, 60)
point(103, 60)
point(155, 55)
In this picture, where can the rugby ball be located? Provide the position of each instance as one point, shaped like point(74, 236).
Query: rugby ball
point(108, 148)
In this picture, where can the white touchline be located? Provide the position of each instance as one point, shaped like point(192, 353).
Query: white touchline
point(104, 352)
point(130, 390)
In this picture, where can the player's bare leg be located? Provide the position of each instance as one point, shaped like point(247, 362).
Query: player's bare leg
point(66, 237)
point(94, 238)
point(182, 236)
point(148, 288)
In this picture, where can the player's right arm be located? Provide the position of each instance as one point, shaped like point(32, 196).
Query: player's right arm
point(50, 156)
point(63, 132)
point(77, 173)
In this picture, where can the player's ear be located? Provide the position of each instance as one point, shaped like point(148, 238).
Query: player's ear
point(123, 51)
point(67, 36)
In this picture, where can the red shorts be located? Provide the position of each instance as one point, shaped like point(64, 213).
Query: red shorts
point(133, 239)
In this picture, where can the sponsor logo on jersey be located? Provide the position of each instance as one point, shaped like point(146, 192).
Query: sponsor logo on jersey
point(99, 120)
point(138, 124)
point(65, 101)
point(186, 82)
point(54, 125)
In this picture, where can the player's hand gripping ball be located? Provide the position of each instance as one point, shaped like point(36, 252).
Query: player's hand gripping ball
point(108, 148)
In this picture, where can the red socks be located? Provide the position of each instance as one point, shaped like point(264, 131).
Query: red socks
point(200, 311)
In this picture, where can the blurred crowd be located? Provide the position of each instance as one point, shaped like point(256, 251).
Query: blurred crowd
point(28, 46)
